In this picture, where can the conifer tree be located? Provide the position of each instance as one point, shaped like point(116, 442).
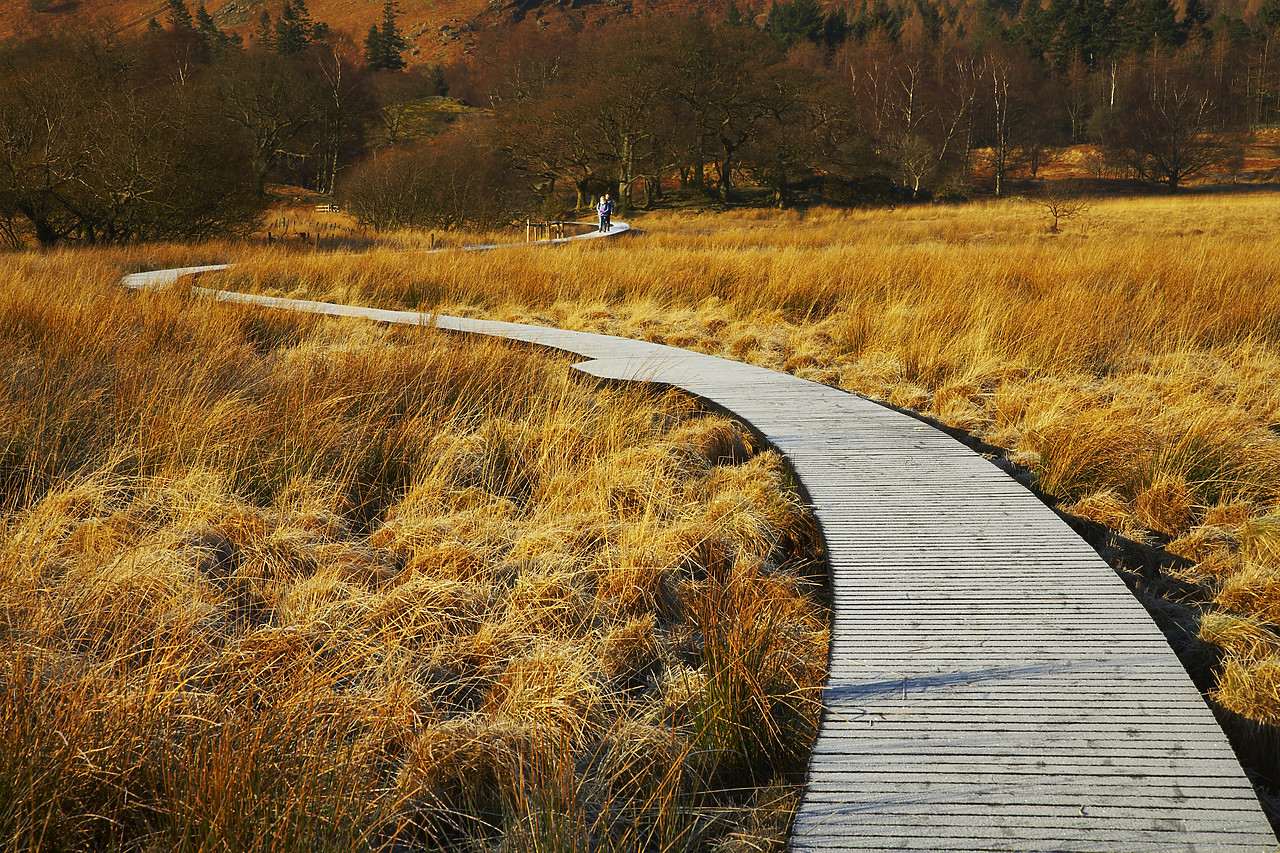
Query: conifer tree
point(734, 16)
point(265, 34)
point(293, 29)
point(931, 20)
point(1157, 24)
point(384, 48)
point(373, 47)
point(835, 29)
point(438, 81)
point(1269, 16)
point(179, 16)
point(1195, 20)
point(205, 25)
point(886, 19)
point(216, 38)
point(794, 20)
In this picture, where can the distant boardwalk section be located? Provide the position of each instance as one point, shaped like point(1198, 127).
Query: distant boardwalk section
point(993, 684)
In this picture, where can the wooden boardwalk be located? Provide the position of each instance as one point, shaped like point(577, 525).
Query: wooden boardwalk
point(993, 685)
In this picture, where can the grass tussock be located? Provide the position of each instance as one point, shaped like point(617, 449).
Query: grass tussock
point(1130, 363)
point(274, 582)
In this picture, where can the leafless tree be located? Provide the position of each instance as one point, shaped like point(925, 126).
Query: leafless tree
point(919, 107)
point(459, 180)
point(1165, 130)
point(268, 99)
point(1061, 202)
point(95, 150)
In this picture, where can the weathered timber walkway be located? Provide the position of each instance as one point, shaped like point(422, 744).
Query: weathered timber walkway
point(993, 684)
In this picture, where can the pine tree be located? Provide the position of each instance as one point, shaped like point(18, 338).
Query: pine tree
point(1269, 16)
point(153, 27)
point(265, 35)
point(295, 30)
point(179, 16)
point(835, 29)
point(393, 44)
point(373, 47)
point(1157, 24)
point(1098, 30)
point(1195, 20)
point(215, 38)
point(205, 25)
point(930, 20)
point(794, 20)
point(438, 83)
point(880, 16)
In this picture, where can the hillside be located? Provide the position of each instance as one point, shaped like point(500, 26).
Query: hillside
point(441, 31)
point(437, 30)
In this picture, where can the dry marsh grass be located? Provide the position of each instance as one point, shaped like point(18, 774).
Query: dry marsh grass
point(275, 582)
point(1130, 363)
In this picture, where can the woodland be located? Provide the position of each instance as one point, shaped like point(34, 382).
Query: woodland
point(181, 130)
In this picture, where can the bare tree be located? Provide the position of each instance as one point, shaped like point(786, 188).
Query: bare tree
point(398, 95)
point(621, 119)
point(459, 180)
point(41, 115)
point(1165, 131)
point(796, 122)
point(344, 107)
point(88, 153)
point(1061, 202)
point(919, 106)
point(715, 86)
point(268, 99)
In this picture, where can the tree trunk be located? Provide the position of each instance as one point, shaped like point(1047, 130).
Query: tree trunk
point(724, 181)
point(46, 235)
point(626, 176)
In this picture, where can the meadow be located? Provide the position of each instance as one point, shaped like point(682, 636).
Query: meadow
point(1126, 365)
point(277, 583)
point(389, 586)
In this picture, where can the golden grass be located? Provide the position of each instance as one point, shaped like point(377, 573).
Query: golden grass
point(275, 582)
point(301, 229)
point(1131, 363)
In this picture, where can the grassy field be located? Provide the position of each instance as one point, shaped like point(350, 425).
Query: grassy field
point(383, 584)
point(277, 583)
point(1129, 363)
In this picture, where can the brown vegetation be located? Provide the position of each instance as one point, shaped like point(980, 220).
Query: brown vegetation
point(273, 582)
point(1129, 363)
point(175, 133)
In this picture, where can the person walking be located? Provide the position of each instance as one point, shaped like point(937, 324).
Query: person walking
point(605, 210)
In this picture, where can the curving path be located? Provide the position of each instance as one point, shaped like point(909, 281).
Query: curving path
point(993, 684)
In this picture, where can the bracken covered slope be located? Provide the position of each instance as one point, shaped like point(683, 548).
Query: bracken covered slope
point(437, 30)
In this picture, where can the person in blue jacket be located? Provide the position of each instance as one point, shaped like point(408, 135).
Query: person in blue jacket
point(605, 210)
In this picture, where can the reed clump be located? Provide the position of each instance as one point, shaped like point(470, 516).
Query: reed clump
point(1129, 362)
point(275, 582)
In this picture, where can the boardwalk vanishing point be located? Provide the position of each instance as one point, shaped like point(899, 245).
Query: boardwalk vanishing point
point(993, 684)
